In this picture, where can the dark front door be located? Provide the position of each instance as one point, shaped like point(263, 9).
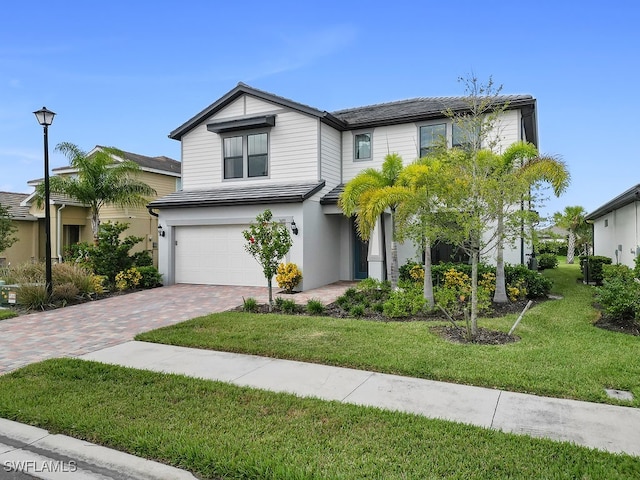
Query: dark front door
point(360, 256)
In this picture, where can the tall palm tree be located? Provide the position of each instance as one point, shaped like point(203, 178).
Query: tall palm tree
point(368, 195)
point(101, 180)
point(521, 166)
point(572, 219)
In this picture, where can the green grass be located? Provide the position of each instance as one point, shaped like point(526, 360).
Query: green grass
point(219, 430)
point(560, 353)
point(4, 314)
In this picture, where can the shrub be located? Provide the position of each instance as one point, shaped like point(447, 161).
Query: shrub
point(535, 284)
point(619, 299)
point(405, 270)
point(65, 292)
point(556, 247)
point(76, 275)
point(454, 295)
point(547, 260)
point(250, 304)
point(357, 310)
point(315, 307)
point(289, 306)
point(591, 267)
point(405, 303)
point(150, 277)
point(33, 296)
point(97, 283)
point(288, 276)
point(129, 278)
point(142, 259)
point(636, 269)
point(111, 255)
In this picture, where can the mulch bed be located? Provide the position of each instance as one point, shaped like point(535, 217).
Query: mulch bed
point(626, 325)
point(483, 336)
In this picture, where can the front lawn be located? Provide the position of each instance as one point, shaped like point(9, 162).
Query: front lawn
point(560, 353)
point(219, 430)
point(7, 313)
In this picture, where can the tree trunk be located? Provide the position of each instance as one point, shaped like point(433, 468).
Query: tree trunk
point(474, 292)
point(571, 247)
point(394, 253)
point(500, 295)
point(270, 293)
point(95, 225)
point(428, 280)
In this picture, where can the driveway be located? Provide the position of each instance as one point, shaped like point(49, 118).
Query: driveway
point(85, 328)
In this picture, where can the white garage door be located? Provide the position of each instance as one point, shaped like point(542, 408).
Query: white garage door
point(215, 255)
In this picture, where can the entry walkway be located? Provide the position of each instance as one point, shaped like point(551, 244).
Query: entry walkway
point(605, 427)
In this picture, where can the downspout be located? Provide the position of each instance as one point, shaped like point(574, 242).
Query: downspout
point(59, 232)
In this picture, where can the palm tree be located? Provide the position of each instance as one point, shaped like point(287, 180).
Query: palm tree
point(522, 166)
point(423, 179)
point(100, 181)
point(368, 195)
point(572, 219)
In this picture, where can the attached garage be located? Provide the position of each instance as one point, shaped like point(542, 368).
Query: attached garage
point(215, 255)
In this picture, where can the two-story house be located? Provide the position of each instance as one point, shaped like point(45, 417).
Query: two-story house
point(251, 150)
point(71, 221)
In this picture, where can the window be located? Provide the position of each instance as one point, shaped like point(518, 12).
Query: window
point(463, 138)
point(362, 146)
point(431, 136)
point(246, 153)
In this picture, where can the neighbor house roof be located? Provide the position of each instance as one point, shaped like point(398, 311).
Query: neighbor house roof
point(237, 195)
point(403, 111)
point(161, 164)
point(331, 197)
point(625, 198)
point(13, 201)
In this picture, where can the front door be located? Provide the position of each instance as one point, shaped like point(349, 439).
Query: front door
point(360, 256)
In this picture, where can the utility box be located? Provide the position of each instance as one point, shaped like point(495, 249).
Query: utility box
point(8, 294)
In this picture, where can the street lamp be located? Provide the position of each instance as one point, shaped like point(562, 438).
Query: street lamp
point(45, 118)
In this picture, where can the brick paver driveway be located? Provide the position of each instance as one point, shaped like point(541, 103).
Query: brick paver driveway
point(80, 329)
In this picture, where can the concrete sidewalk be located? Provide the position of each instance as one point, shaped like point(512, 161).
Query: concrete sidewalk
point(605, 427)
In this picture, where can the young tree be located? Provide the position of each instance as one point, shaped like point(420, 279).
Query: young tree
point(524, 168)
point(369, 194)
point(573, 219)
point(7, 229)
point(475, 187)
point(268, 243)
point(100, 181)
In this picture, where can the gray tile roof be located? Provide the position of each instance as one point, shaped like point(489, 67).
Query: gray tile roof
point(162, 163)
point(331, 197)
point(12, 200)
point(416, 109)
point(239, 195)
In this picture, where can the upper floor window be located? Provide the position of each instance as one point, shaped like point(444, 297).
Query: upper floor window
point(465, 138)
point(431, 136)
point(362, 146)
point(246, 156)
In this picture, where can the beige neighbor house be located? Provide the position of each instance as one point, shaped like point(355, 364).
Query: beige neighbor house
point(251, 150)
point(27, 234)
point(70, 220)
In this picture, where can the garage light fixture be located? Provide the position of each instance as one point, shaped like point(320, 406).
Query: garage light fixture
point(160, 231)
point(294, 227)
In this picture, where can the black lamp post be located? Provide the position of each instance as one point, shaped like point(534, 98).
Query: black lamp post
point(45, 118)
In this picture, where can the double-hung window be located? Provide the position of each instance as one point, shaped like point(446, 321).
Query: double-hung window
point(362, 146)
point(464, 138)
point(431, 136)
point(246, 156)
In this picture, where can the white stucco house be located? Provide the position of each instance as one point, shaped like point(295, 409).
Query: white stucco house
point(251, 150)
point(616, 227)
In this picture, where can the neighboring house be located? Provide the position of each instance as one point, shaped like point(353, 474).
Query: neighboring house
point(70, 220)
point(24, 249)
point(616, 227)
point(553, 234)
point(251, 150)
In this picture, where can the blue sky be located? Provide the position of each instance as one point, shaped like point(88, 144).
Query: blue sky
point(125, 74)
